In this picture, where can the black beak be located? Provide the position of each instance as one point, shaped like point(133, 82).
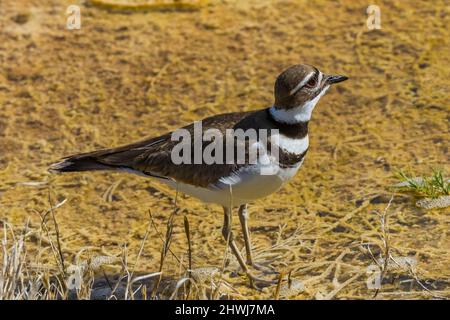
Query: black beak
point(335, 79)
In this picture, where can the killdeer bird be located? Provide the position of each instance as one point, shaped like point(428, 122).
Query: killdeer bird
point(227, 182)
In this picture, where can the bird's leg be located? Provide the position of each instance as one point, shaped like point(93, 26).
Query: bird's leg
point(229, 237)
point(243, 218)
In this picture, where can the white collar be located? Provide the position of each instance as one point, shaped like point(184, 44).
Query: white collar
point(296, 114)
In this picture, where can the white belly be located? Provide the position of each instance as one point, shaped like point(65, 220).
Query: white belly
point(250, 182)
point(244, 186)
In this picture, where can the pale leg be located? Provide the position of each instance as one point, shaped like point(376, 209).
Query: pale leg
point(243, 218)
point(228, 235)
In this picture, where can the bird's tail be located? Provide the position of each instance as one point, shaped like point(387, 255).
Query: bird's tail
point(78, 163)
point(120, 158)
point(89, 161)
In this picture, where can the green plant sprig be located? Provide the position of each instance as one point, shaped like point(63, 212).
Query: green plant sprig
point(433, 186)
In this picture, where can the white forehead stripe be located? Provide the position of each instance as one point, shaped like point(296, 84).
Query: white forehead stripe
point(301, 83)
point(319, 81)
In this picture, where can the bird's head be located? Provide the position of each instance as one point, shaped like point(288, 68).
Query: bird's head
point(298, 89)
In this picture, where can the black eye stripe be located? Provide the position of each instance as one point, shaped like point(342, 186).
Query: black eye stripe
point(313, 81)
point(314, 78)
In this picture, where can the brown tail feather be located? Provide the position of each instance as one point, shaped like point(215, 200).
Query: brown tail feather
point(120, 158)
point(74, 164)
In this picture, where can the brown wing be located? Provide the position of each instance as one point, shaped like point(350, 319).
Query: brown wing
point(153, 156)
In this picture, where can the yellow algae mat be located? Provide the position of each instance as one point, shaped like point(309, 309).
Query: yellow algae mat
point(335, 231)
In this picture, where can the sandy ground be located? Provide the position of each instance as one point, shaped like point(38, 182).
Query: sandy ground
point(125, 76)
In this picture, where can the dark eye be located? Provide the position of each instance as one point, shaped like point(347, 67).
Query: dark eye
point(311, 83)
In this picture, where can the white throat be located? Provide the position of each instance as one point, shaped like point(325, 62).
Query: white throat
point(298, 114)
